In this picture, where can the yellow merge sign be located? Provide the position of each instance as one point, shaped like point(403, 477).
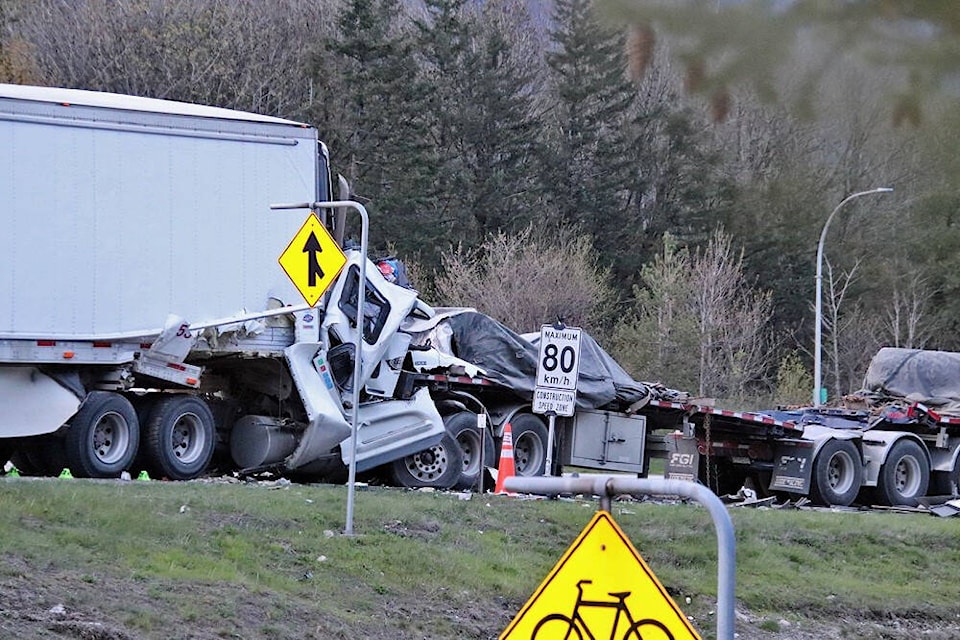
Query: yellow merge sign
point(601, 589)
point(312, 260)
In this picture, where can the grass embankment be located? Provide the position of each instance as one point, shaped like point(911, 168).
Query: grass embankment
point(202, 560)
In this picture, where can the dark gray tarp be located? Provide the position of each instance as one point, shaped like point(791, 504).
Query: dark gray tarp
point(511, 360)
point(930, 377)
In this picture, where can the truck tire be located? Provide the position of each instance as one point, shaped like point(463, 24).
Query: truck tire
point(39, 456)
point(103, 436)
point(438, 467)
point(529, 445)
point(8, 446)
point(946, 483)
point(463, 427)
point(179, 437)
point(905, 475)
point(837, 474)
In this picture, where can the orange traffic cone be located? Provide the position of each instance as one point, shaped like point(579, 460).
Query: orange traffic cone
point(506, 467)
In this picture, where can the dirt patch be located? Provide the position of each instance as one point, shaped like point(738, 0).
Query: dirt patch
point(38, 602)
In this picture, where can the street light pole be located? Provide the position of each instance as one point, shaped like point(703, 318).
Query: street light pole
point(818, 327)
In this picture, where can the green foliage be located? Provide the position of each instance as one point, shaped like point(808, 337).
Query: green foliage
point(381, 141)
point(794, 381)
point(529, 278)
point(658, 342)
point(177, 560)
point(586, 168)
point(481, 121)
point(696, 323)
point(756, 41)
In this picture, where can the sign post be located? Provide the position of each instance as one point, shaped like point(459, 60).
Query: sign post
point(312, 279)
point(558, 371)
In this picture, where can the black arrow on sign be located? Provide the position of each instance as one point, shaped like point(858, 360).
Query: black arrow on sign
point(313, 247)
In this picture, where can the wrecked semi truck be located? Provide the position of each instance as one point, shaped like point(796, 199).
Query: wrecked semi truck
point(146, 321)
point(149, 326)
point(893, 443)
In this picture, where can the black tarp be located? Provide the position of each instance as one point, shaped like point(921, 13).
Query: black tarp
point(930, 377)
point(511, 360)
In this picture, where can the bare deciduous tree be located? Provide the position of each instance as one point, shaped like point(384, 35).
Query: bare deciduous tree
point(240, 54)
point(699, 315)
point(525, 279)
point(734, 341)
point(906, 315)
point(851, 331)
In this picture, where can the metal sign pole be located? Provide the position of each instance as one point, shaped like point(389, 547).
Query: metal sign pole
point(358, 351)
point(608, 486)
point(357, 364)
point(551, 430)
point(482, 428)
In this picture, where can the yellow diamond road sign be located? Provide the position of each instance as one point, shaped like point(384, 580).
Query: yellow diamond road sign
point(600, 588)
point(312, 260)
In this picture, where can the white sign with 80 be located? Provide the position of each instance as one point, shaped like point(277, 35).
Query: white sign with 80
point(559, 363)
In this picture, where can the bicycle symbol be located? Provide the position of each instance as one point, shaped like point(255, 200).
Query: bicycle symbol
point(558, 625)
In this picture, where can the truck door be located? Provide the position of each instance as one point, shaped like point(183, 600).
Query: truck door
point(384, 308)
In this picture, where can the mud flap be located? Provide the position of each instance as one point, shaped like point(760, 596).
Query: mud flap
point(794, 466)
point(683, 458)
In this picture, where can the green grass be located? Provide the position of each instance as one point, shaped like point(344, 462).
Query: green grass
point(173, 553)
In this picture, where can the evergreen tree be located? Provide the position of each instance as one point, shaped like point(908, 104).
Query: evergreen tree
point(499, 134)
point(586, 172)
point(480, 119)
point(380, 136)
point(676, 185)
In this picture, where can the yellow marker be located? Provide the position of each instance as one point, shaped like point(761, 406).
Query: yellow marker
point(312, 260)
point(601, 588)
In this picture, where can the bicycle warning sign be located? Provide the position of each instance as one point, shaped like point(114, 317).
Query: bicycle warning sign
point(601, 589)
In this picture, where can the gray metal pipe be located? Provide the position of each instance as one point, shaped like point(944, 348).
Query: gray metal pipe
point(358, 358)
point(607, 487)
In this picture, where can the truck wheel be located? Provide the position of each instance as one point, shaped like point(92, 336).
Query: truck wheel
point(463, 427)
point(837, 474)
point(946, 483)
point(103, 436)
point(8, 446)
point(39, 456)
point(905, 475)
point(179, 437)
point(529, 445)
point(438, 467)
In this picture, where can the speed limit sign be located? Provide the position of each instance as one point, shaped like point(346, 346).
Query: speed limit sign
point(559, 362)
